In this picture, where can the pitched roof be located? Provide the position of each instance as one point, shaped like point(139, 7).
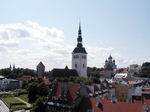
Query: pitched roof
point(58, 90)
point(63, 72)
point(108, 106)
point(72, 89)
point(79, 50)
point(41, 64)
point(147, 102)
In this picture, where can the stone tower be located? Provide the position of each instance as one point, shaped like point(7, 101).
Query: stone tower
point(79, 56)
point(40, 70)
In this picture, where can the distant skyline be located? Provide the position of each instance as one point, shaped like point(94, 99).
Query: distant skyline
point(46, 30)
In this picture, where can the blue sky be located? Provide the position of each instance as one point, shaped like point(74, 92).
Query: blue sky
point(117, 27)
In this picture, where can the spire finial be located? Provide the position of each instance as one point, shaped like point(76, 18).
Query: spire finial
point(79, 31)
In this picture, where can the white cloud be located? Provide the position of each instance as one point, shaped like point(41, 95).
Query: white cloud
point(2, 49)
point(28, 43)
point(23, 52)
point(8, 43)
point(25, 44)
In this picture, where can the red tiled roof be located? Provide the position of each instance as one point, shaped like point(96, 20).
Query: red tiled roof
point(147, 102)
point(146, 89)
point(58, 90)
point(108, 106)
point(73, 89)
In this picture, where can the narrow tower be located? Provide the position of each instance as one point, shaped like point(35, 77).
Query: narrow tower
point(79, 56)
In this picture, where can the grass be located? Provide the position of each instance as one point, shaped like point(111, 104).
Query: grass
point(10, 99)
point(24, 97)
point(13, 103)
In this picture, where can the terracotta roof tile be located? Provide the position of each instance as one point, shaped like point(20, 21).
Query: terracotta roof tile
point(58, 90)
point(73, 89)
point(108, 106)
point(147, 102)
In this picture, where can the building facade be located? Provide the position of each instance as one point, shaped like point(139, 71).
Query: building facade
point(79, 56)
point(9, 84)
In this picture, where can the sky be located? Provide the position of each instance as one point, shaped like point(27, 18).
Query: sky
point(46, 30)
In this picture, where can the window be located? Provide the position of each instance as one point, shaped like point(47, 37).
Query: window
point(83, 65)
point(83, 57)
point(75, 65)
point(76, 57)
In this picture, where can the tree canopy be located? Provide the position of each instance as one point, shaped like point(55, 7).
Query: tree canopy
point(36, 89)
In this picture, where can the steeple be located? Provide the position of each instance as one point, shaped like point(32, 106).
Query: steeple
point(79, 56)
point(14, 67)
point(80, 32)
point(79, 48)
point(79, 39)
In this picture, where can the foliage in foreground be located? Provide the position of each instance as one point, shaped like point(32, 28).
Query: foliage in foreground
point(37, 89)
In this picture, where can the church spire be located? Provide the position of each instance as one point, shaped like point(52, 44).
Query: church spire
point(79, 39)
point(79, 31)
point(79, 48)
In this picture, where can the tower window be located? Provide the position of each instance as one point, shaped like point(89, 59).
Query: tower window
point(75, 65)
point(76, 56)
point(83, 65)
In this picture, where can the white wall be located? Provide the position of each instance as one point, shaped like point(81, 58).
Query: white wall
point(82, 71)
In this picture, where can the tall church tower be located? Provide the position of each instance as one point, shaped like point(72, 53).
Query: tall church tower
point(79, 56)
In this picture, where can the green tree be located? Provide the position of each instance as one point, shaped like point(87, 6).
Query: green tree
point(43, 89)
point(33, 91)
point(5, 72)
point(37, 89)
point(24, 85)
point(28, 72)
